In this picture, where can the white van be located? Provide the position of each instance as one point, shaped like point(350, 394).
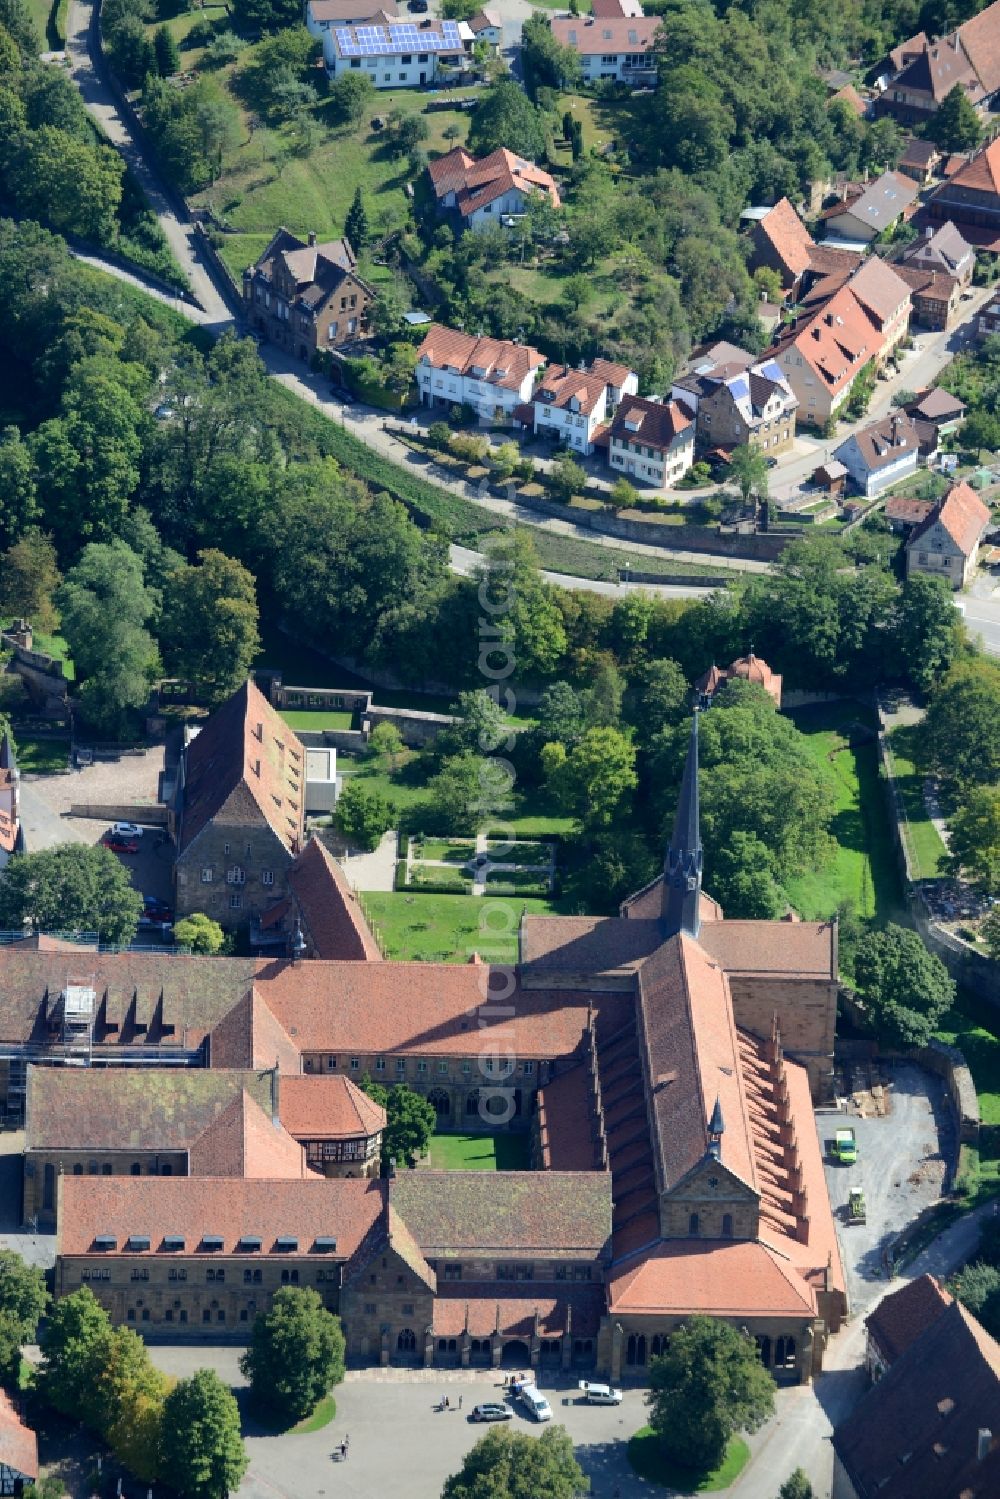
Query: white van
point(535, 1403)
point(599, 1394)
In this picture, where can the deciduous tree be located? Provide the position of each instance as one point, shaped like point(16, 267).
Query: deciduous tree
point(709, 1384)
point(29, 578)
point(70, 888)
point(905, 988)
point(105, 607)
point(363, 813)
point(199, 933)
point(510, 1465)
point(507, 117)
point(296, 1354)
point(209, 624)
point(410, 1121)
point(73, 1347)
point(23, 1299)
point(974, 844)
point(201, 1450)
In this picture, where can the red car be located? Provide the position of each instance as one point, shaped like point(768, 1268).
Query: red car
point(119, 845)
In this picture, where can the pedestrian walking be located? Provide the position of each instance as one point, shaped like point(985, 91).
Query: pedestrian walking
point(460, 1402)
point(343, 1452)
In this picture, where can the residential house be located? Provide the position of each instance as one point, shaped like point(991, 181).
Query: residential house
point(749, 668)
point(943, 249)
point(621, 49)
point(880, 454)
point(919, 160)
point(491, 375)
point(571, 406)
point(877, 207)
point(920, 74)
point(323, 15)
point(651, 441)
point(926, 1428)
point(487, 27)
point(935, 414)
point(936, 298)
point(735, 407)
point(885, 297)
point(849, 96)
point(823, 354)
point(988, 321)
point(18, 1449)
point(11, 832)
point(238, 811)
point(972, 196)
point(899, 1320)
point(492, 190)
point(398, 54)
point(306, 297)
point(780, 242)
point(946, 544)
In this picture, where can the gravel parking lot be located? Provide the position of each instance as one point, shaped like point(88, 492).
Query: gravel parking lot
point(902, 1164)
point(401, 1447)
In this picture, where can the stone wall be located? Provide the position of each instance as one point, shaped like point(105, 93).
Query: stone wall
point(807, 1017)
point(215, 851)
point(150, 813)
point(42, 675)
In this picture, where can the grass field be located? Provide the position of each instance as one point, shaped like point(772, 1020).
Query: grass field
point(925, 847)
point(49, 17)
point(499, 1152)
point(649, 1461)
point(862, 871)
point(308, 718)
point(41, 756)
point(449, 928)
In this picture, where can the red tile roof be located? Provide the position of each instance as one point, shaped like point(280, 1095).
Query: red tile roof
point(588, 36)
point(570, 389)
point(18, 1443)
point(880, 289)
point(722, 1278)
point(982, 173)
point(501, 362)
point(565, 1122)
point(484, 1308)
point(656, 424)
point(962, 514)
point(901, 1318)
point(837, 341)
point(908, 511)
point(981, 40)
point(245, 766)
point(329, 908)
point(476, 183)
point(244, 1141)
point(342, 1208)
point(327, 1108)
point(849, 95)
point(250, 1036)
point(788, 236)
point(429, 1009)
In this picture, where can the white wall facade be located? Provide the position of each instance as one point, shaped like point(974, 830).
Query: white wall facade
point(637, 460)
point(402, 70)
point(624, 67)
point(873, 482)
point(573, 428)
point(491, 213)
point(493, 403)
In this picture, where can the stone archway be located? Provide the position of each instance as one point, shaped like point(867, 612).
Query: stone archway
point(515, 1354)
point(440, 1101)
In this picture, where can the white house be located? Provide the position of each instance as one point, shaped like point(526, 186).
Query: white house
point(651, 441)
point(487, 27)
point(946, 544)
point(880, 454)
point(571, 405)
point(619, 48)
point(323, 15)
point(491, 190)
point(490, 374)
point(396, 54)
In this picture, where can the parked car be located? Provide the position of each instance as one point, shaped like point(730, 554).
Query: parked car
point(126, 830)
point(83, 757)
point(155, 924)
point(153, 905)
point(534, 1402)
point(599, 1394)
point(491, 1412)
point(119, 845)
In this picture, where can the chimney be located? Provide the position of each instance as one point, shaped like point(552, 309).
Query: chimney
point(312, 237)
point(984, 1441)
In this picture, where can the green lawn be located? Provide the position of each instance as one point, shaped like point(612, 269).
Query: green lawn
point(407, 786)
point(649, 1461)
point(320, 1417)
point(265, 183)
point(439, 848)
point(51, 645)
point(41, 756)
point(862, 871)
point(49, 17)
point(315, 719)
point(496, 1152)
point(449, 928)
point(926, 849)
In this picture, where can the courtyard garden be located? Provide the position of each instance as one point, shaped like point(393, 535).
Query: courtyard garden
point(479, 1152)
point(478, 866)
point(442, 928)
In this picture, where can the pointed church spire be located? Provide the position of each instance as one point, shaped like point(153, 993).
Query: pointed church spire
point(716, 1130)
point(682, 869)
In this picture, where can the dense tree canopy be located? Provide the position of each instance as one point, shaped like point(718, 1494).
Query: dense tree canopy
point(105, 608)
point(410, 1121)
point(201, 1450)
point(23, 1299)
point(70, 888)
point(958, 736)
point(905, 988)
point(511, 1465)
point(209, 631)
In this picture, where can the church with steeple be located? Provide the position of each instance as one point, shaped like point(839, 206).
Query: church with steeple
point(704, 1088)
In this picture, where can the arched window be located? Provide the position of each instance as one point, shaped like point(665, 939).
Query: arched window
point(727, 1225)
point(407, 1341)
point(472, 1102)
point(440, 1101)
point(635, 1350)
point(764, 1349)
point(693, 1226)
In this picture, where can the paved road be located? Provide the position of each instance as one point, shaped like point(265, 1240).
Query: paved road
point(982, 615)
point(86, 72)
point(464, 562)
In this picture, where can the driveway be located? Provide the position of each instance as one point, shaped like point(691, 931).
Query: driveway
point(401, 1447)
point(375, 870)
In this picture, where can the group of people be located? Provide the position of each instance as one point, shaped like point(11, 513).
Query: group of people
point(446, 1404)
